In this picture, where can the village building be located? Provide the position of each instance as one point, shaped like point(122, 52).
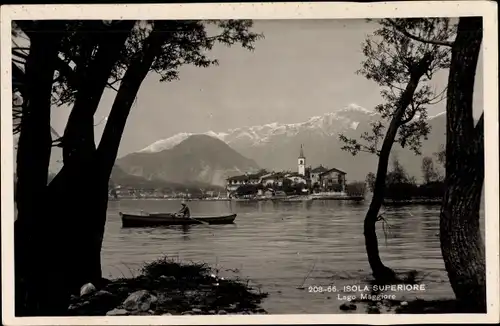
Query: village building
point(333, 180)
point(297, 178)
point(273, 179)
point(210, 193)
point(266, 192)
point(320, 178)
point(316, 173)
point(236, 181)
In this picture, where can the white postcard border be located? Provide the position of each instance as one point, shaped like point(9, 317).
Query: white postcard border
point(339, 10)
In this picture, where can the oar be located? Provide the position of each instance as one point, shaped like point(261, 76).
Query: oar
point(194, 219)
point(203, 222)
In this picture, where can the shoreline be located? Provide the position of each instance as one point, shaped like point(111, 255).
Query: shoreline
point(168, 287)
point(408, 202)
point(284, 199)
point(415, 201)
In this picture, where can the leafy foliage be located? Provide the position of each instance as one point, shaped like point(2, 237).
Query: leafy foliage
point(401, 186)
point(390, 59)
point(435, 189)
point(185, 42)
point(370, 181)
point(398, 174)
point(429, 172)
point(399, 183)
point(356, 189)
point(247, 190)
point(292, 188)
point(441, 155)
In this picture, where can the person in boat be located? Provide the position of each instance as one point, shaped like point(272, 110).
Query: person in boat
point(184, 211)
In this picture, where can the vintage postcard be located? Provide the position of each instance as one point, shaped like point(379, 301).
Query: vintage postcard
point(258, 163)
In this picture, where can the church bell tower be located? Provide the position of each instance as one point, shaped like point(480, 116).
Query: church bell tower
point(302, 162)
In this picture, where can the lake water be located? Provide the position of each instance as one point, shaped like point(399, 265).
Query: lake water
point(281, 246)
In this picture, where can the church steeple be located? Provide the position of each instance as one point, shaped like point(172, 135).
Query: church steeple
point(301, 155)
point(301, 162)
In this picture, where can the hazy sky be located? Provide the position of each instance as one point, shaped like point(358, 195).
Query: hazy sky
point(300, 69)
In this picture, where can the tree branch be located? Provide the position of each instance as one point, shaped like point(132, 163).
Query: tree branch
point(392, 86)
point(24, 50)
point(57, 142)
point(117, 80)
point(112, 87)
point(479, 129)
point(18, 54)
point(369, 151)
point(362, 148)
point(354, 146)
point(441, 97)
point(18, 77)
point(126, 96)
point(18, 61)
point(418, 38)
point(411, 115)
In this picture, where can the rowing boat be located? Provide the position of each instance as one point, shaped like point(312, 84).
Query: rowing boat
point(165, 219)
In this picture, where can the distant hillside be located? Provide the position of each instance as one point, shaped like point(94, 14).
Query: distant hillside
point(196, 159)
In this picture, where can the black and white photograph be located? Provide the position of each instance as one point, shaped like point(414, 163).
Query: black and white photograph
point(193, 167)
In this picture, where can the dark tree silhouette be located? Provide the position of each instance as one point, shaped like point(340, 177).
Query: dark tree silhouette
point(441, 155)
point(429, 173)
point(247, 189)
point(37, 268)
point(461, 241)
point(370, 180)
point(402, 67)
point(399, 185)
point(82, 59)
point(356, 189)
point(398, 174)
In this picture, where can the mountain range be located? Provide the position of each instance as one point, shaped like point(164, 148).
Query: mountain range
point(196, 159)
point(212, 156)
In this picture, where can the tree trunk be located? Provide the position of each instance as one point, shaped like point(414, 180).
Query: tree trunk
point(461, 242)
point(38, 288)
point(129, 87)
point(92, 170)
point(78, 139)
point(69, 187)
point(380, 272)
point(111, 137)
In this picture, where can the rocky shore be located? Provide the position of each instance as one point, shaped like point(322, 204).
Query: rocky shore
point(417, 306)
point(166, 287)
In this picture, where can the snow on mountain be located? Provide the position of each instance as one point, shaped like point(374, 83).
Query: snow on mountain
point(328, 124)
point(197, 159)
point(437, 115)
point(168, 143)
point(275, 146)
point(353, 107)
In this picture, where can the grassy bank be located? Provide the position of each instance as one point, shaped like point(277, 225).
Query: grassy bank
point(167, 287)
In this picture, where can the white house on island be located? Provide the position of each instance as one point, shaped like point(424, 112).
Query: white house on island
point(320, 178)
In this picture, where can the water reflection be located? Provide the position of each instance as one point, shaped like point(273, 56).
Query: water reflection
point(278, 244)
